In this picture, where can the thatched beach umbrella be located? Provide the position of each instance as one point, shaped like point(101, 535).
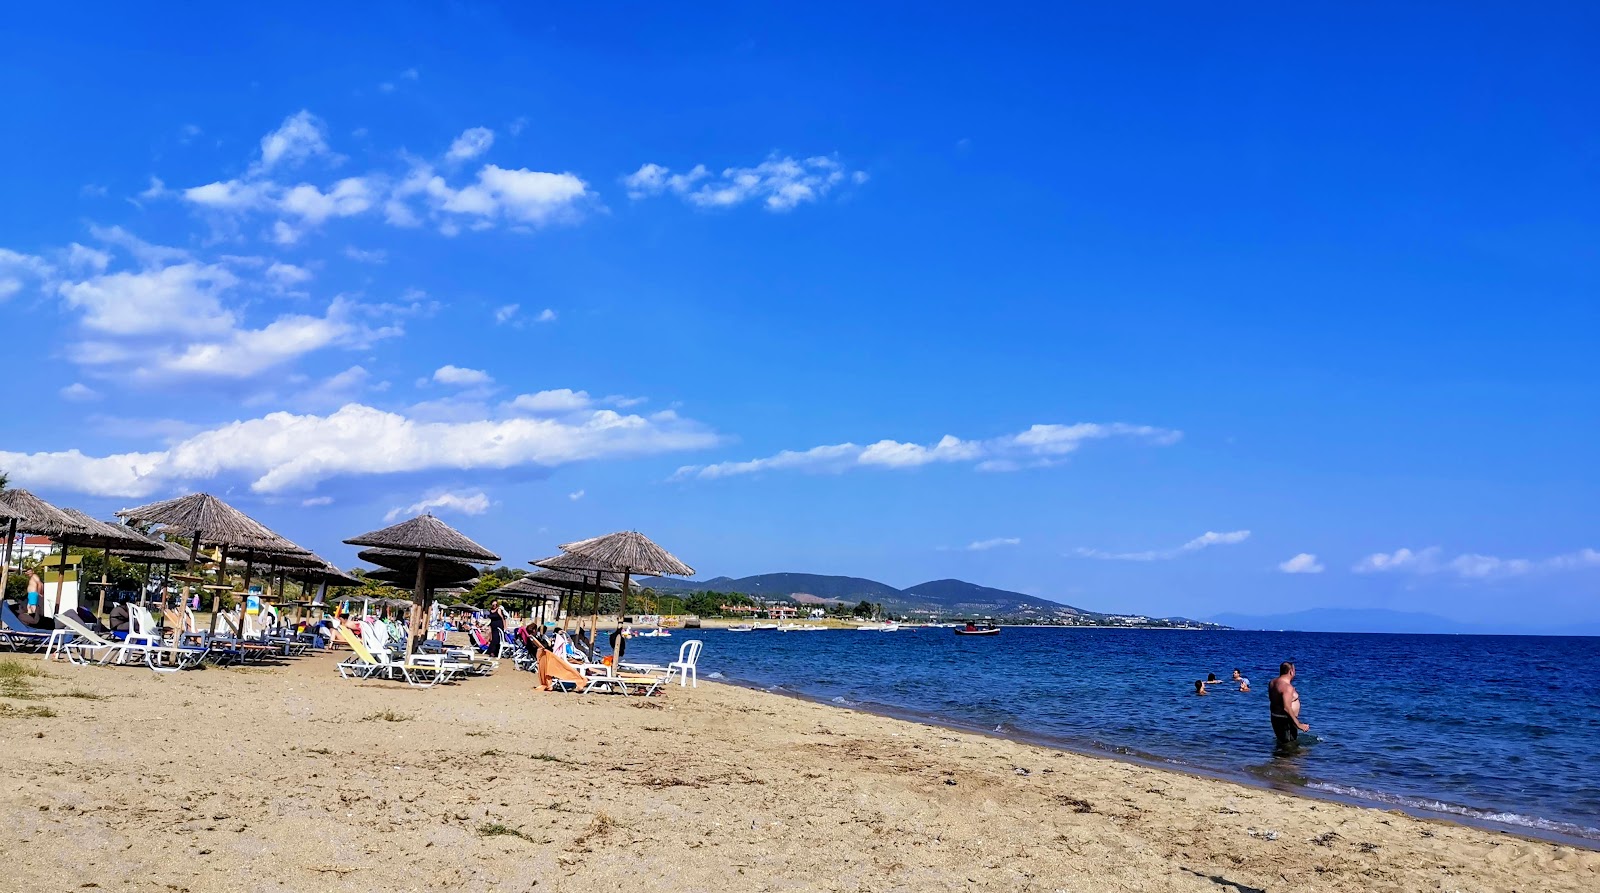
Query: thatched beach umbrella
point(21, 511)
point(578, 576)
point(530, 590)
point(170, 554)
point(205, 518)
point(627, 552)
point(554, 571)
point(424, 536)
point(92, 534)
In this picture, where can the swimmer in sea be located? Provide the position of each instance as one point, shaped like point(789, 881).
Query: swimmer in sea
point(1285, 706)
point(1200, 687)
point(1244, 684)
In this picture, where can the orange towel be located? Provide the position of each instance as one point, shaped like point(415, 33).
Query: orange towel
point(552, 668)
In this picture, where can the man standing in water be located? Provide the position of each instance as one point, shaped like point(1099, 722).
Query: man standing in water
point(1285, 702)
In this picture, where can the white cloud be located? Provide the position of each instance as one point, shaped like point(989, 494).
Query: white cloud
point(1037, 447)
point(230, 195)
point(300, 136)
point(82, 257)
point(156, 189)
point(93, 190)
point(470, 144)
point(144, 252)
point(556, 401)
point(778, 183)
point(184, 297)
point(997, 542)
point(285, 452)
point(1472, 566)
point(79, 392)
point(505, 314)
point(287, 275)
point(1203, 541)
point(316, 501)
point(459, 377)
point(575, 495)
point(410, 74)
point(519, 198)
point(473, 503)
point(17, 270)
point(546, 315)
point(1304, 563)
point(347, 198)
point(374, 256)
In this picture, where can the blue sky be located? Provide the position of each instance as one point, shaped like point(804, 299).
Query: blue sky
point(1123, 307)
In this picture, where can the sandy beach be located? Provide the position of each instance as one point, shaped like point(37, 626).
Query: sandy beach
point(289, 778)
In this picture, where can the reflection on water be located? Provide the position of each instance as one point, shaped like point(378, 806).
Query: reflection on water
point(1503, 742)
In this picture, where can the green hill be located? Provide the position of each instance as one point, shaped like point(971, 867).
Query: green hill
point(952, 598)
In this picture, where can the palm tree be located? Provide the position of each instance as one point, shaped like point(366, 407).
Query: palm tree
point(4, 479)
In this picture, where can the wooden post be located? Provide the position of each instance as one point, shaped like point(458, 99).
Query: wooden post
point(5, 565)
point(216, 594)
point(418, 599)
point(61, 583)
point(105, 556)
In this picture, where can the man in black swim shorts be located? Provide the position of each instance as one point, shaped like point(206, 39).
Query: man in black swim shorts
point(1285, 704)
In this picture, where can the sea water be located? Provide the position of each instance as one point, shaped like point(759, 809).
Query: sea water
point(1497, 730)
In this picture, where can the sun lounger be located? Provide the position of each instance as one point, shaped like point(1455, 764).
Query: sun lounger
point(558, 674)
point(365, 663)
point(18, 635)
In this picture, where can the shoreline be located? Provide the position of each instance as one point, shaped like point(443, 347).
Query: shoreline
point(193, 781)
point(1532, 834)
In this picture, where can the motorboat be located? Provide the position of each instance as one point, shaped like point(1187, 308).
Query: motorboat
point(986, 628)
point(763, 627)
point(741, 628)
point(657, 633)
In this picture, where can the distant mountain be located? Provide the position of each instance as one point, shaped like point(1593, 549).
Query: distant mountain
point(944, 597)
point(776, 586)
point(962, 598)
point(1379, 620)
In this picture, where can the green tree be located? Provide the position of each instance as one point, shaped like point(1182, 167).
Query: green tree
point(863, 609)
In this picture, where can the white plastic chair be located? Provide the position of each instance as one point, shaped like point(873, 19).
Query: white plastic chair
point(684, 666)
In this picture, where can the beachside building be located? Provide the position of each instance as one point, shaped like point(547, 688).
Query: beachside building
point(31, 548)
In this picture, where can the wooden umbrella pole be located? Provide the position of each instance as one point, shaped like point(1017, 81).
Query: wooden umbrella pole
point(417, 599)
point(249, 574)
point(194, 559)
point(5, 566)
point(105, 556)
point(216, 594)
point(594, 620)
point(61, 582)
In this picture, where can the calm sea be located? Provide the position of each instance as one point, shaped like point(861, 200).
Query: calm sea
point(1497, 730)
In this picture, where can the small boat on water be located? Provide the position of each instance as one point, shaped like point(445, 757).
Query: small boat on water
point(657, 633)
point(766, 626)
point(741, 628)
point(888, 627)
point(986, 628)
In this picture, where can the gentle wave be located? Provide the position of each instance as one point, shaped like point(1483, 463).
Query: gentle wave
point(1455, 809)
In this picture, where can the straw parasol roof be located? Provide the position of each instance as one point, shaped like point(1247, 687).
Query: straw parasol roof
point(571, 580)
point(216, 523)
point(528, 586)
point(629, 552)
point(263, 558)
point(32, 514)
point(171, 553)
point(327, 573)
point(435, 574)
point(426, 534)
point(92, 534)
point(406, 562)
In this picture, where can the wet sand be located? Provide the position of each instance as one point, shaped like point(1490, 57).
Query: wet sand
point(289, 778)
